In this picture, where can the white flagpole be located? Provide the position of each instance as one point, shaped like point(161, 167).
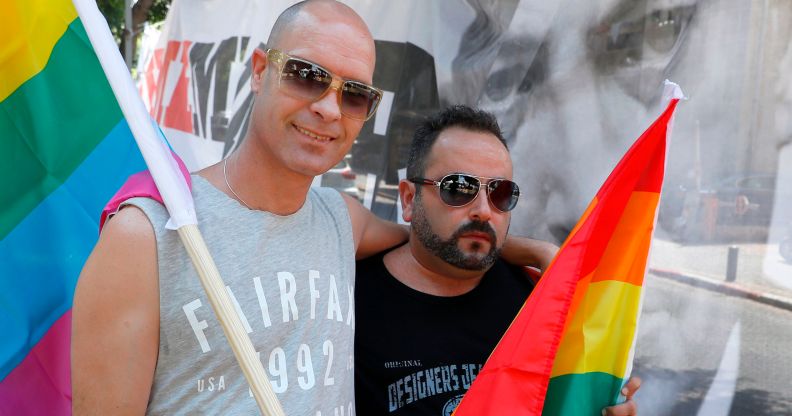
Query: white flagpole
point(671, 91)
point(178, 201)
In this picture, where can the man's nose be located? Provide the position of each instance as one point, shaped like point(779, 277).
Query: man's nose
point(480, 208)
point(328, 105)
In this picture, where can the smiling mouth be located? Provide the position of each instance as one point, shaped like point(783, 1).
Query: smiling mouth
point(317, 137)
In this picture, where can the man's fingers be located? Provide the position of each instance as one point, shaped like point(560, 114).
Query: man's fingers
point(628, 408)
point(632, 386)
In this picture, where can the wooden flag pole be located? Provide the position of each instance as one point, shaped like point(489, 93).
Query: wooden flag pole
point(232, 326)
point(178, 200)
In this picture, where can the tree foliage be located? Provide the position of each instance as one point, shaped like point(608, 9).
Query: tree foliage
point(151, 11)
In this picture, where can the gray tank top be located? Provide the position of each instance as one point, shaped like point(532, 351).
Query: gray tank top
point(292, 279)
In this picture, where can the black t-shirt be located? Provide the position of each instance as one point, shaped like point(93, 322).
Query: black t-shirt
point(416, 354)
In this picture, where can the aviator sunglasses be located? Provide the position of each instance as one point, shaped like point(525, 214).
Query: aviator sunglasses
point(460, 189)
point(309, 81)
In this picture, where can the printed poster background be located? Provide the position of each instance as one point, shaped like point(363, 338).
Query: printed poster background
point(573, 83)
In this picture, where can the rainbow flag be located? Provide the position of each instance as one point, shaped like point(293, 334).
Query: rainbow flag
point(66, 149)
point(569, 350)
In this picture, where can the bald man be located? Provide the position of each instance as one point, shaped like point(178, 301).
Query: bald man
point(145, 339)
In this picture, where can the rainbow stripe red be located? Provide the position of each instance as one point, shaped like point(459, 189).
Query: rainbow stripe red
point(570, 348)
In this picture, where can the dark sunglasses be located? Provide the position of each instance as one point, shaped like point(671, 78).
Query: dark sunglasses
point(309, 81)
point(460, 189)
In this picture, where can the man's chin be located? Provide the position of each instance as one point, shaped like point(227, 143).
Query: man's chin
point(477, 247)
point(475, 261)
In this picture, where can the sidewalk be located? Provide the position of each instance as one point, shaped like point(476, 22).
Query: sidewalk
point(762, 275)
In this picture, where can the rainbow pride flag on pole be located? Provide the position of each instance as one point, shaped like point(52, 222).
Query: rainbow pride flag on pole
point(569, 350)
point(66, 149)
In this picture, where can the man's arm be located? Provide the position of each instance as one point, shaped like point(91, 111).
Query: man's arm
point(523, 251)
point(372, 234)
point(115, 320)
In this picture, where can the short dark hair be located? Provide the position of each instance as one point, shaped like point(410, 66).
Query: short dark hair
point(429, 130)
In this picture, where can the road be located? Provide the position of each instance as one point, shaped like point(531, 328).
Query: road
point(682, 345)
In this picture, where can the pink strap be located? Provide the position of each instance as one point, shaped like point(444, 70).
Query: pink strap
point(140, 184)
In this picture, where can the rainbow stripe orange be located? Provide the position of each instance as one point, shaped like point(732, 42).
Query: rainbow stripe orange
point(570, 348)
point(66, 149)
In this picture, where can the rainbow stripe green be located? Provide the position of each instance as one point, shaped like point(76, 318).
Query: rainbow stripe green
point(66, 150)
point(570, 348)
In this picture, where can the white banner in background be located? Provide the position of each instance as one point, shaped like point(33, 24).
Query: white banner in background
point(571, 83)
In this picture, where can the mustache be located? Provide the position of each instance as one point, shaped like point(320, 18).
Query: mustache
point(478, 226)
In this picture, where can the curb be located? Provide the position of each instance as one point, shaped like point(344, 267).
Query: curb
point(727, 288)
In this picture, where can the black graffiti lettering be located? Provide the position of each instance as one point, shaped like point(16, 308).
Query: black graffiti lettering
point(237, 127)
point(203, 67)
point(214, 117)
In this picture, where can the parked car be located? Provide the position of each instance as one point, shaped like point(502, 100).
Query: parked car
point(742, 202)
point(745, 200)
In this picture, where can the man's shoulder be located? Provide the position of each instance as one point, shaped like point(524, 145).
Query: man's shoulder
point(141, 212)
point(375, 262)
point(332, 202)
point(327, 195)
point(130, 222)
point(510, 275)
point(503, 267)
point(127, 244)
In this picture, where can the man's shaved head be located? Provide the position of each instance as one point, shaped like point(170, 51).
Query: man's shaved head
point(289, 20)
point(285, 126)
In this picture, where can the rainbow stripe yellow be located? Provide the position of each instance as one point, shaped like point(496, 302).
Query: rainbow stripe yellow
point(570, 348)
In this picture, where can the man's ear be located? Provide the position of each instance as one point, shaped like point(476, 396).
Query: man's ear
point(259, 64)
point(407, 196)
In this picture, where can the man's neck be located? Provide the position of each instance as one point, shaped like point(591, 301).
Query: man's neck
point(424, 272)
point(256, 180)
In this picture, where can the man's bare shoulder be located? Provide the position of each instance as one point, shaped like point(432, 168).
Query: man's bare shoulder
point(127, 246)
point(124, 259)
point(115, 318)
point(128, 223)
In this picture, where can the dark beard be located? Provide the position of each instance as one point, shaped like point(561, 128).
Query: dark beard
point(448, 250)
